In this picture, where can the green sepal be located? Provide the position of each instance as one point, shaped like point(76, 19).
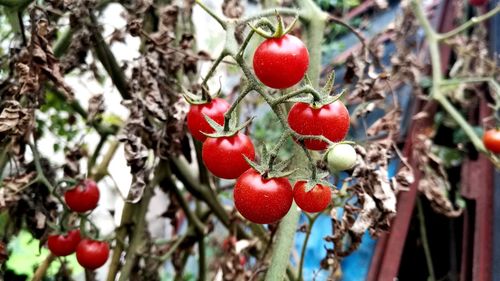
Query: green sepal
point(191, 98)
point(290, 26)
point(327, 89)
point(216, 126)
point(280, 174)
point(234, 128)
point(254, 165)
point(260, 31)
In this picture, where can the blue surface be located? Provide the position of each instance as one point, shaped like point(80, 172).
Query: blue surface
point(355, 266)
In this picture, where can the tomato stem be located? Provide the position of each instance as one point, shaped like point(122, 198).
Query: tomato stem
point(311, 220)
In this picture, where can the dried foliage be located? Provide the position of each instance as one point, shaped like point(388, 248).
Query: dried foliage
point(153, 136)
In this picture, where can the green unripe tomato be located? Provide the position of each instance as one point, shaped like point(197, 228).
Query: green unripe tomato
point(341, 157)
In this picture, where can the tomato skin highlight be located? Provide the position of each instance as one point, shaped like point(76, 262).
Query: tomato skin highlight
point(64, 245)
point(314, 201)
point(83, 197)
point(478, 2)
point(280, 63)
point(92, 254)
point(224, 156)
point(262, 200)
point(330, 120)
point(491, 140)
point(197, 123)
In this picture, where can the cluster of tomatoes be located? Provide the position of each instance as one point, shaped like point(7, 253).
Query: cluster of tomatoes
point(91, 254)
point(278, 63)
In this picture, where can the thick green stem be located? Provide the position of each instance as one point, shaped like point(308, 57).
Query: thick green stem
point(315, 27)
point(137, 237)
point(283, 246)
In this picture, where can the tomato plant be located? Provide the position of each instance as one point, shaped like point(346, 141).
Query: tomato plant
point(83, 197)
point(314, 200)
point(280, 63)
point(262, 200)
point(92, 254)
point(491, 140)
point(64, 244)
point(196, 122)
point(330, 121)
point(223, 156)
point(341, 157)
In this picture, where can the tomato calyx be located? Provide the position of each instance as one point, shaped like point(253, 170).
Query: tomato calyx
point(226, 131)
point(279, 30)
point(206, 97)
point(268, 166)
point(318, 98)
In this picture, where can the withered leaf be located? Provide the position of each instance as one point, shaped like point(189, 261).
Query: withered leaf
point(366, 218)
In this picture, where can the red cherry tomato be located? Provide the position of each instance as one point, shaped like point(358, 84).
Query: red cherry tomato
point(197, 123)
point(262, 200)
point(478, 2)
point(331, 121)
point(280, 63)
point(83, 197)
point(63, 245)
point(224, 156)
point(491, 140)
point(316, 200)
point(92, 254)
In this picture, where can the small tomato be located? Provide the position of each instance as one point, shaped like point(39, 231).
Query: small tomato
point(341, 157)
point(313, 201)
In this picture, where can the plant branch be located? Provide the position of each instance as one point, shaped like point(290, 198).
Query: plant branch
point(311, 220)
point(272, 12)
point(239, 99)
point(108, 60)
point(470, 80)
point(470, 23)
point(220, 19)
point(139, 212)
point(42, 269)
point(425, 242)
point(437, 78)
point(304, 90)
point(102, 169)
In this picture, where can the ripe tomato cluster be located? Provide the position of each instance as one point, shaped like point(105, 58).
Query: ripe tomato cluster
point(91, 254)
point(278, 63)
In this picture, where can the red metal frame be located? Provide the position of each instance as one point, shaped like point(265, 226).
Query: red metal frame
point(477, 185)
